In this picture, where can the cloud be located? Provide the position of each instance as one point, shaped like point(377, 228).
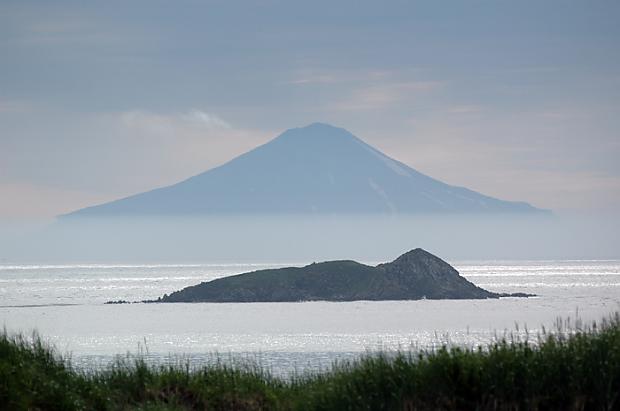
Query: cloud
point(189, 124)
point(322, 76)
point(558, 157)
point(13, 106)
point(314, 79)
point(104, 156)
point(465, 109)
point(380, 96)
point(210, 121)
point(178, 145)
point(53, 26)
point(533, 70)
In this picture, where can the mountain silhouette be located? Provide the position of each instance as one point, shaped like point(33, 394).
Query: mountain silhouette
point(414, 275)
point(314, 169)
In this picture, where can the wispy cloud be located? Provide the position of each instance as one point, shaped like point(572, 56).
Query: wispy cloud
point(50, 26)
point(465, 109)
point(533, 70)
point(314, 79)
point(147, 149)
point(13, 106)
point(207, 120)
point(331, 76)
point(381, 96)
point(191, 123)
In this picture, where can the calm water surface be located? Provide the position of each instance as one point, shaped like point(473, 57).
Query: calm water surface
point(64, 303)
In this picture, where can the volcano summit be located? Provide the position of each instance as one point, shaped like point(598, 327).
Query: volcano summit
point(317, 169)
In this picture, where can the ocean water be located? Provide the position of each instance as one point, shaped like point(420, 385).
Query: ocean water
point(65, 305)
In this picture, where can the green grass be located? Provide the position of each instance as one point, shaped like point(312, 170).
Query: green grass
point(570, 369)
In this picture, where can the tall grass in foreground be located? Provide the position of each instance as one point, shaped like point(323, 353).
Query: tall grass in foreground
point(570, 369)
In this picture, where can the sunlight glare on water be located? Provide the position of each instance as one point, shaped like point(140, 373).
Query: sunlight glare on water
point(64, 303)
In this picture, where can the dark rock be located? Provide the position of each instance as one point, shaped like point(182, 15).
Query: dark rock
point(518, 295)
point(412, 276)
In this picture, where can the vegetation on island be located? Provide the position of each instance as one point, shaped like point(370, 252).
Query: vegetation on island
point(570, 369)
point(414, 275)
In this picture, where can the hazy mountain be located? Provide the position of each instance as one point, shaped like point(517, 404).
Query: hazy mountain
point(314, 169)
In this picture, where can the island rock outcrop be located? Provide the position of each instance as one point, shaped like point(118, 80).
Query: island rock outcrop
point(414, 275)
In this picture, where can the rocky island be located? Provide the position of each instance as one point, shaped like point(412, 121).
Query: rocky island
point(414, 275)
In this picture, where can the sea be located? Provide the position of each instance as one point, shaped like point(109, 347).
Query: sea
point(65, 305)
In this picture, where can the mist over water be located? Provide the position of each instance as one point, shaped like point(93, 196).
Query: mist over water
point(65, 304)
point(55, 277)
point(265, 238)
point(179, 144)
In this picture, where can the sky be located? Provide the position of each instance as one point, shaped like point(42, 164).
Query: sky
point(519, 100)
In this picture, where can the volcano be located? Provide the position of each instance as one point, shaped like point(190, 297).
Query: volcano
point(317, 169)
